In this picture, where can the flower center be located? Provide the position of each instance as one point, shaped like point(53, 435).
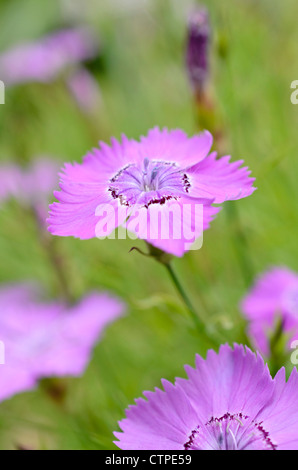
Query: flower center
point(151, 182)
point(230, 432)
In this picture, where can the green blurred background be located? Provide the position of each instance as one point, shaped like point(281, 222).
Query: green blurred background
point(144, 83)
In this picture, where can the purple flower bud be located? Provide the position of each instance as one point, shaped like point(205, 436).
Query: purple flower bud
point(197, 50)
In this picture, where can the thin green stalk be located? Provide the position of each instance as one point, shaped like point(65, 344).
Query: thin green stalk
point(199, 324)
point(165, 259)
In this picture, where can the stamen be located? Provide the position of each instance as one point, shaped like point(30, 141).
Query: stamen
point(225, 435)
point(153, 176)
point(234, 439)
point(239, 420)
point(146, 163)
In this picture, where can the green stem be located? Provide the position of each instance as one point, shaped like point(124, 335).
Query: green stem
point(277, 342)
point(197, 321)
point(199, 324)
point(165, 259)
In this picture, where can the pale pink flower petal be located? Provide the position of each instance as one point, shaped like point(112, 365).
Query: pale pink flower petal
point(164, 168)
point(228, 402)
point(49, 339)
point(43, 60)
point(273, 295)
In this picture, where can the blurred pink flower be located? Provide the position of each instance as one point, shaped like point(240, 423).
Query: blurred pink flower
point(10, 181)
point(85, 90)
point(274, 294)
point(163, 170)
point(30, 185)
point(43, 59)
point(49, 339)
point(228, 402)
